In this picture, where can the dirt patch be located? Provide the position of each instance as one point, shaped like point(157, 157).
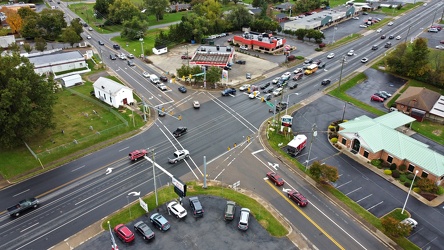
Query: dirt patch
point(428, 196)
point(437, 132)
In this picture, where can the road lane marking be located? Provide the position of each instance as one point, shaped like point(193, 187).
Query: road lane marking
point(77, 168)
point(20, 193)
point(364, 198)
point(375, 205)
point(258, 151)
point(353, 191)
point(217, 176)
point(343, 184)
point(124, 149)
point(307, 217)
point(29, 227)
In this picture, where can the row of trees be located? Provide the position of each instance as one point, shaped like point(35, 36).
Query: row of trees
point(304, 33)
point(414, 62)
point(213, 74)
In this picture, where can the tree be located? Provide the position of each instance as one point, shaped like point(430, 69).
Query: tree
point(394, 228)
point(27, 13)
point(157, 7)
point(323, 172)
point(122, 10)
point(300, 33)
point(259, 3)
point(417, 59)
point(134, 28)
point(14, 47)
point(40, 44)
point(77, 26)
point(239, 18)
point(70, 36)
point(101, 7)
point(52, 22)
point(214, 74)
point(14, 20)
point(395, 59)
point(27, 102)
point(30, 28)
point(27, 47)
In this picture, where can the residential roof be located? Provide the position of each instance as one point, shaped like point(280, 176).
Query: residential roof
point(109, 85)
point(375, 135)
point(394, 119)
point(419, 97)
point(438, 108)
point(56, 57)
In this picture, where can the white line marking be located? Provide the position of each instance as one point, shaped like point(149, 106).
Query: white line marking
point(219, 174)
point(374, 205)
point(29, 227)
point(343, 184)
point(77, 168)
point(353, 191)
point(255, 152)
point(20, 193)
point(364, 198)
point(123, 149)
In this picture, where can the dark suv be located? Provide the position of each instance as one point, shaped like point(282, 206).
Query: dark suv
point(298, 198)
point(196, 206)
point(229, 91)
point(325, 82)
point(116, 46)
point(143, 229)
point(160, 222)
point(230, 210)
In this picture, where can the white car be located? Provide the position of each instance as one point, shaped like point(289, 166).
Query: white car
point(390, 24)
point(196, 104)
point(379, 30)
point(146, 74)
point(277, 92)
point(398, 37)
point(356, 18)
point(244, 87)
point(410, 221)
point(254, 94)
point(243, 47)
point(90, 29)
point(296, 71)
point(177, 209)
point(439, 46)
point(331, 55)
point(286, 74)
point(162, 86)
point(363, 26)
point(364, 60)
point(351, 52)
point(88, 37)
point(275, 80)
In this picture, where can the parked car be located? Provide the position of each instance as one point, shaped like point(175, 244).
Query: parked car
point(331, 55)
point(376, 98)
point(434, 30)
point(248, 75)
point(160, 222)
point(176, 209)
point(124, 233)
point(264, 86)
point(298, 198)
point(244, 219)
point(196, 104)
point(385, 93)
point(227, 67)
point(143, 229)
point(182, 89)
point(381, 95)
point(439, 47)
point(325, 82)
point(351, 52)
point(363, 26)
point(230, 210)
point(409, 221)
point(244, 87)
point(364, 60)
point(275, 178)
point(196, 206)
point(185, 57)
point(163, 78)
point(356, 18)
point(241, 62)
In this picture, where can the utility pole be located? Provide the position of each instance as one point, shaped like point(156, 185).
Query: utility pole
point(408, 32)
point(313, 134)
point(340, 75)
point(154, 178)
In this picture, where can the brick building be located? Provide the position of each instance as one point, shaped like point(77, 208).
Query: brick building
point(262, 42)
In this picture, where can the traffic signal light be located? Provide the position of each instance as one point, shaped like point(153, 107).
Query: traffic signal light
point(179, 117)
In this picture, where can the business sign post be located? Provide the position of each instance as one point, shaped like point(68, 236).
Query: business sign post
point(180, 188)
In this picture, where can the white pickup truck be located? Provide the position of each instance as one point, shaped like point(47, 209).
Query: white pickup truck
point(179, 155)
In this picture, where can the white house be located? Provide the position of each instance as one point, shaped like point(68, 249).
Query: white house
point(58, 62)
point(72, 80)
point(160, 50)
point(113, 93)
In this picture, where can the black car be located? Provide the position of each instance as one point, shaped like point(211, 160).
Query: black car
point(391, 37)
point(116, 46)
point(388, 45)
point(163, 78)
point(130, 63)
point(293, 85)
point(101, 43)
point(383, 37)
point(281, 106)
point(267, 97)
point(229, 91)
point(374, 47)
point(227, 68)
point(112, 57)
point(196, 206)
point(241, 62)
point(182, 89)
point(180, 131)
point(325, 82)
point(264, 86)
point(143, 229)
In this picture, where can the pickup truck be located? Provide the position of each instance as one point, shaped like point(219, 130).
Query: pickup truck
point(136, 154)
point(22, 206)
point(179, 155)
point(180, 131)
point(281, 106)
point(229, 91)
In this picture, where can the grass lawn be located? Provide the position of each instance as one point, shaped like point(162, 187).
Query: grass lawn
point(166, 194)
point(135, 47)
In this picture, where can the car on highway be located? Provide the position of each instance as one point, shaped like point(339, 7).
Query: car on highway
point(179, 155)
point(244, 219)
point(293, 85)
point(325, 82)
point(265, 85)
point(162, 86)
point(308, 61)
point(298, 77)
point(146, 74)
point(196, 104)
point(244, 87)
point(267, 97)
point(112, 57)
point(144, 230)
point(409, 221)
point(160, 222)
point(379, 30)
point(275, 178)
point(398, 37)
point(161, 111)
point(374, 47)
point(130, 56)
point(388, 45)
point(364, 60)
point(275, 80)
point(254, 94)
point(351, 52)
point(196, 206)
point(130, 63)
point(298, 198)
point(391, 37)
point(116, 46)
point(180, 131)
point(277, 91)
point(176, 209)
point(376, 98)
point(101, 43)
point(286, 75)
point(90, 28)
point(182, 89)
point(331, 55)
point(229, 91)
point(124, 233)
point(88, 37)
point(297, 71)
point(390, 24)
point(230, 210)
point(383, 37)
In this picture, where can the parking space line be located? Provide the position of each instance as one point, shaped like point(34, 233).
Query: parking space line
point(345, 183)
point(375, 205)
point(353, 191)
point(364, 198)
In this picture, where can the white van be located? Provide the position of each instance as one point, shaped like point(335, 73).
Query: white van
point(244, 218)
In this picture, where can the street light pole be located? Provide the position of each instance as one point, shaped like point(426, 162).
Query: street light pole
point(343, 112)
point(141, 44)
point(334, 33)
point(154, 178)
point(288, 104)
point(408, 194)
point(114, 245)
point(314, 134)
point(340, 75)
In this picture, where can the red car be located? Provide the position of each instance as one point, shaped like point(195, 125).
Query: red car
point(185, 57)
point(278, 181)
point(376, 98)
point(124, 233)
point(298, 198)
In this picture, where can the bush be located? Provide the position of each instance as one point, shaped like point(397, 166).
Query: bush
point(318, 49)
point(402, 167)
point(300, 57)
point(407, 183)
point(291, 58)
point(427, 185)
point(393, 166)
point(334, 140)
point(410, 176)
point(440, 190)
point(376, 162)
point(331, 128)
point(417, 190)
point(403, 178)
point(385, 164)
point(388, 172)
point(396, 174)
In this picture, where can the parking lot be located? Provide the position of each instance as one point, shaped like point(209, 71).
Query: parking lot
point(207, 232)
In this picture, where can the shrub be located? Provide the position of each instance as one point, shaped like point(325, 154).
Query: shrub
point(385, 164)
point(318, 49)
point(407, 183)
point(410, 176)
point(427, 185)
point(334, 140)
point(440, 190)
point(331, 128)
point(388, 172)
point(379, 166)
point(300, 57)
point(291, 58)
point(403, 178)
point(393, 166)
point(396, 174)
point(376, 162)
point(402, 167)
point(417, 190)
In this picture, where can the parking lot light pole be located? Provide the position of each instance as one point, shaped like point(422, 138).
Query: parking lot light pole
point(114, 245)
point(288, 104)
point(340, 75)
point(408, 194)
point(141, 44)
point(314, 134)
